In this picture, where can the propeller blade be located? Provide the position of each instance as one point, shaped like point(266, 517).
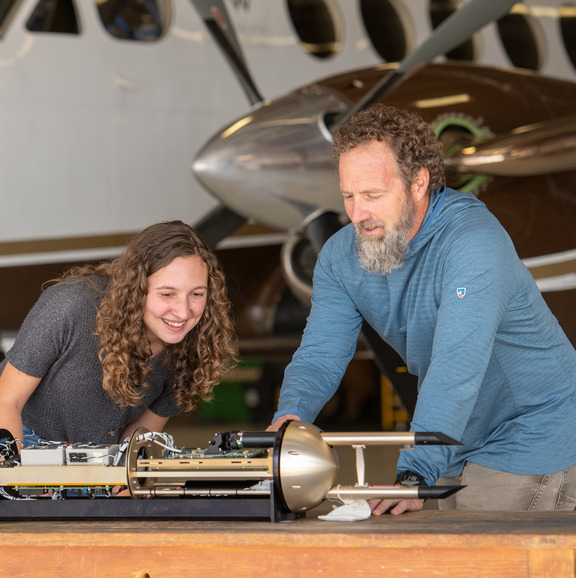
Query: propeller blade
point(222, 221)
point(455, 30)
point(219, 224)
point(219, 24)
point(537, 149)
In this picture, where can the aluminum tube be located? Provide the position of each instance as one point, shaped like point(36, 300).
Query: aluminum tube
point(390, 492)
point(387, 438)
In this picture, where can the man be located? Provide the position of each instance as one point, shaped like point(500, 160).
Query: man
point(436, 275)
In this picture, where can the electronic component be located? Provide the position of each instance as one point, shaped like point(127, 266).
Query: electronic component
point(50, 455)
point(88, 454)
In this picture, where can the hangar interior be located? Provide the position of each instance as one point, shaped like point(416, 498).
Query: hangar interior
point(536, 37)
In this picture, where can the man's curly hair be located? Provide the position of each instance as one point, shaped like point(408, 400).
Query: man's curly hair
point(410, 137)
point(199, 360)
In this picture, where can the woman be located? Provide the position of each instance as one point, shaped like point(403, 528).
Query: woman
point(125, 344)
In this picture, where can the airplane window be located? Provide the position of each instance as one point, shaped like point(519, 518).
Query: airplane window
point(143, 20)
point(386, 27)
point(54, 16)
point(522, 38)
point(567, 22)
point(6, 11)
point(439, 11)
point(314, 23)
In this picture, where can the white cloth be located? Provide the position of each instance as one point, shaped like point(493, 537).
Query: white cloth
point(350, 511)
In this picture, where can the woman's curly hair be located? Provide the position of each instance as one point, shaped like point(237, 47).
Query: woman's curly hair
point(410, 137)
point(199, 360)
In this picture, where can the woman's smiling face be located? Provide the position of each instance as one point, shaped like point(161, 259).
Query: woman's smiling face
point(175, 301)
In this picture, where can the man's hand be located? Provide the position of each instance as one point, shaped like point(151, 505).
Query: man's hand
point(394, 507)
point(407, 479)
point(276, 425)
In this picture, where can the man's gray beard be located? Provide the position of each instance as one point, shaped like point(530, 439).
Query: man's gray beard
point(388, 252)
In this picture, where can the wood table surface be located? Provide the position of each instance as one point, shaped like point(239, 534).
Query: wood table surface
point(426, 543)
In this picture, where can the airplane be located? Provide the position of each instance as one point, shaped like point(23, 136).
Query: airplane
point(104, 118)
point(90, 111)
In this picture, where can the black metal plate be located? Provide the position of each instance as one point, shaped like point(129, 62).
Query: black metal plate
point(225, 507)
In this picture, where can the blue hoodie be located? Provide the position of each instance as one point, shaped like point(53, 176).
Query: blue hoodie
point(495, 370)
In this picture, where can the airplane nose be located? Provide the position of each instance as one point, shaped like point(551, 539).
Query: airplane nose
point(275, 164)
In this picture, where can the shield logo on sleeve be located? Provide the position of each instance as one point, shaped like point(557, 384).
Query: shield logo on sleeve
point(461, 291)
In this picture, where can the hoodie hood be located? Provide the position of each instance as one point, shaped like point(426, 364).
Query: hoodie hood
point(444, 204)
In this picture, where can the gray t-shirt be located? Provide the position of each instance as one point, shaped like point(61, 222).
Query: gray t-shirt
point(57, 343)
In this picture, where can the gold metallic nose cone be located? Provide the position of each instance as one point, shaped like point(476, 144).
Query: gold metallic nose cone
point(308, 466)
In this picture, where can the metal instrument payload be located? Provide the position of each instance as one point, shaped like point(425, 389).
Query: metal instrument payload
point(277, 475)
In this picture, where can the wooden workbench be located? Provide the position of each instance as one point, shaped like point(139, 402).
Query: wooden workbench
point(427, 543)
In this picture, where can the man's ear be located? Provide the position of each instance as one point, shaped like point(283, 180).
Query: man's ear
point(420, 183)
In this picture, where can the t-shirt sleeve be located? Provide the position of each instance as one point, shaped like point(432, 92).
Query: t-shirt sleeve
point(43, 336)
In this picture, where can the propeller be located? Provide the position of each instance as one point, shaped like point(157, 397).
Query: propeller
point(456, 29)
point(216, 171)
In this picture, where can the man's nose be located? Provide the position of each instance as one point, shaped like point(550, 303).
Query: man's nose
point(357, 211)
